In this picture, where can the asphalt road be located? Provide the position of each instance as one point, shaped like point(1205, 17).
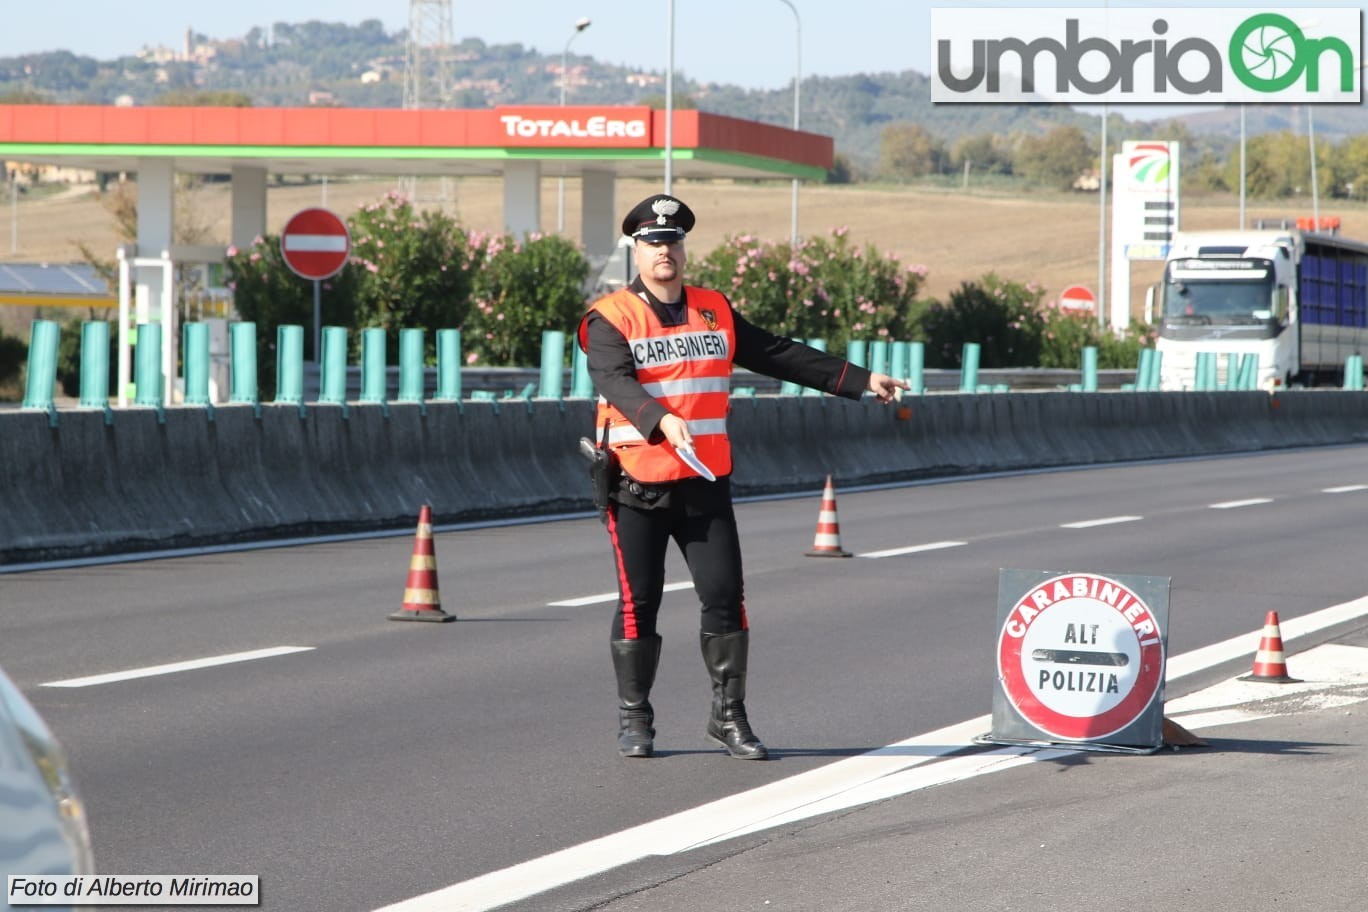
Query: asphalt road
point(385, 761)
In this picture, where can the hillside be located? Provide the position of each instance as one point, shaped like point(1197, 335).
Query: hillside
point(362, 65)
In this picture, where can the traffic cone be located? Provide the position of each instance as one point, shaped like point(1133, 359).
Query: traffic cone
point(828, 540)
point(1269, 664)
point(421, 599)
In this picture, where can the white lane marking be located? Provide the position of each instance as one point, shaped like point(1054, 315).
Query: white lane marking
point(154, 670)
point(1105, 521)
point(1345, 489)
point(913, 549)
point(882, 773)
point(609, 597)
point(1236, 504)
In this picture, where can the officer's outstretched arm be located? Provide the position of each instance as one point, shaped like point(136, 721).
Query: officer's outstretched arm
point(886, 387)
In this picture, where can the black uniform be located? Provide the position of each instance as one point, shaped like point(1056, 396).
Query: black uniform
point(695, 512)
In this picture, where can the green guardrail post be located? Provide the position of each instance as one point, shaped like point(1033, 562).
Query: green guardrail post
point(147, 368)
point(1249, 371)
point(373, 379)
point(411, 348)
point(857, 352)
point(1353, 372)
point(969, 366)
point(916, 368)
point(333, 380)
point(1154, 377)
point(448, 365)
point(820, 345)
point(95, 364)
point(897, 360)
point(1142, 369)
point(243, 357)
point(195, 358)
point(581, 387)
point(1089, 369)
point(41, 382)
point(552, 364)
point(1206, 371)
point(1232, 371)
point(786, 388)
point(878, 356)
point(290, 365)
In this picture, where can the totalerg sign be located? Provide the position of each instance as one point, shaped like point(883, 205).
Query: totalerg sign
point(578, 126)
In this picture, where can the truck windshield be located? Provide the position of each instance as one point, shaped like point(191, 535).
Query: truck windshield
point(1218, 296)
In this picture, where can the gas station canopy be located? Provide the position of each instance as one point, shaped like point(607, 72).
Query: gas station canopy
point(623, 141)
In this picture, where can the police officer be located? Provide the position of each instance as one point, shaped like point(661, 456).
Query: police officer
point(660, 355)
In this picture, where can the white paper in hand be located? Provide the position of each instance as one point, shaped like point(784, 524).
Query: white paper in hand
point(690, 458)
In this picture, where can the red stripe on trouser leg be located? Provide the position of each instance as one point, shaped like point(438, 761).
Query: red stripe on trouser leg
point(629, 620)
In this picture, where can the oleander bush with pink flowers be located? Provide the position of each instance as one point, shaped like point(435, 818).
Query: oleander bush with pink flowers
point(823, 288)
point(422, 268)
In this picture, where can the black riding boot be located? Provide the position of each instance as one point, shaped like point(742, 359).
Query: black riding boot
point(635, 662)
point(726, 656)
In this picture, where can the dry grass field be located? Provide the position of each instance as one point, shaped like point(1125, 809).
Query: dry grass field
point(1048, 238)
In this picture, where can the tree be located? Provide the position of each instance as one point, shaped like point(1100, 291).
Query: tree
point(189, 98)
point(413, 269)
point(908, 150)
point(840, 171)
point(1348, 162)
point(681, 102)
point(1277, 165)
point(23, 96)
point(986, 153)
point(1057, 158)
point(522, 289)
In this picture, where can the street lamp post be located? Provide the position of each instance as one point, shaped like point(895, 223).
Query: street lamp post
point(1315, 190)
point(580, 25)
point(669, 101)
point(797, 82)
point(1242, 166)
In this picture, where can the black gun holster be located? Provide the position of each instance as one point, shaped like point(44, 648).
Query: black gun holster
point(603, 473)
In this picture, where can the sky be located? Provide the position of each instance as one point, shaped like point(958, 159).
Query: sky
point(750, 43)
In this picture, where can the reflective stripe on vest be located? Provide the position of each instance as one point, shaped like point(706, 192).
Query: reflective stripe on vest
point(687, 368)
point(626, 433)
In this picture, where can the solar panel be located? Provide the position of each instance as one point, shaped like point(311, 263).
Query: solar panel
point(51, 279)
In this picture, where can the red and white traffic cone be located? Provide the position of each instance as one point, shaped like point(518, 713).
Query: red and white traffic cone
point(828, 540)
point(422, 602)
point(1269, 664)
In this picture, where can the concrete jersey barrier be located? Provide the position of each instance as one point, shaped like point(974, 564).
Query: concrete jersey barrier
point(86, 487)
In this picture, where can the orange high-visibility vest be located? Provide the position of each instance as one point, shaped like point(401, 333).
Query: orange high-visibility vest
point(687, 367)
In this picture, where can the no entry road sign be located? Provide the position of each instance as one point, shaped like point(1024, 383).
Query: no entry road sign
point(315, 244)
point(1077, 297)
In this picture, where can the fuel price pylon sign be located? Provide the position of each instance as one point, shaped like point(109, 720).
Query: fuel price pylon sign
point(1080, 660)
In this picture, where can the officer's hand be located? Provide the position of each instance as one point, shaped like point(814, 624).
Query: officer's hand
point(885, 387)
point(676, 431)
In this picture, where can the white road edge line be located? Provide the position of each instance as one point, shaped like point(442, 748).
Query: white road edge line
point(608, 597)
point(1235, 504)
point(154, 670)
point(1345, 489)
point(880, 773)
point(1105, 521)
point(913, 549)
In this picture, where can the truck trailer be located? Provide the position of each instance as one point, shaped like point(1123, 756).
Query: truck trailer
point(1295, 300)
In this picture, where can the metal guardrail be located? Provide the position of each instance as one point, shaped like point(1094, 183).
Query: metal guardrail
point(504, 382)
